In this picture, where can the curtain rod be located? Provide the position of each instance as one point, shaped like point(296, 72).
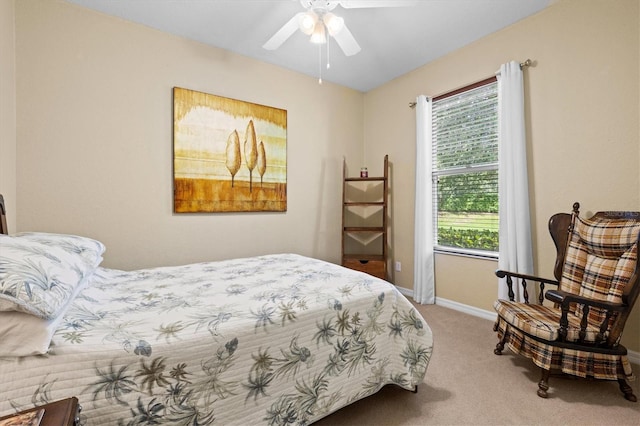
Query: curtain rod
point(525, 64)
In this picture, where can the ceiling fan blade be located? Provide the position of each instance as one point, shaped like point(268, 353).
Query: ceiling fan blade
point(347, 42)
point(283, 33)
point(354, 4)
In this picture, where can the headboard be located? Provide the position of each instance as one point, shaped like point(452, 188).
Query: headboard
point(3, 217)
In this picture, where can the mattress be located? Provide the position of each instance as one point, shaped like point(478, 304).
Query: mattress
point(275, 339)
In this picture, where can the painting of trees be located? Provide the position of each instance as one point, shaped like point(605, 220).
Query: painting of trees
point(216, 154)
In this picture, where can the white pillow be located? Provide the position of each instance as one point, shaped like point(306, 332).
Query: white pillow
point(24, 334)
point(38, 279)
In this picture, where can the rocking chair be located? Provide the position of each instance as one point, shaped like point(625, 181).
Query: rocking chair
point(597, 278)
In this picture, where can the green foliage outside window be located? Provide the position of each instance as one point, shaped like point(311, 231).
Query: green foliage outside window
point(480, 239)
point(469, 192)
point(468, 210)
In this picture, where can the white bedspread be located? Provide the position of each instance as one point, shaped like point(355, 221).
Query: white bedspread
point(277, 339)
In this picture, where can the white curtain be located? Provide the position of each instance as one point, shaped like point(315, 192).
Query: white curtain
point(513, 190)
point(423, 270)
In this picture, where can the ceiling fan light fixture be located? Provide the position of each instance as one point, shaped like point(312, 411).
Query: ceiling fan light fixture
point(308, 22)
point(317, 20)
point(318, 36)
point(334, 23)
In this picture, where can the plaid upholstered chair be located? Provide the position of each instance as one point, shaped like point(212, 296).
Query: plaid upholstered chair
point(578, 329)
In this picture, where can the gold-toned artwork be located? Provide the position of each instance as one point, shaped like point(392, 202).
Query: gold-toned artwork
point(228, 155)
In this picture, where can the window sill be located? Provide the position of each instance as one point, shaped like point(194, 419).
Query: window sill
point(476, 254)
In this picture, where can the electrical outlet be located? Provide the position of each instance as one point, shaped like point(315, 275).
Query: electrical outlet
point(398, 266)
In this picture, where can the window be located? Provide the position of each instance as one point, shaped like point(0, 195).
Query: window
point(465, 169)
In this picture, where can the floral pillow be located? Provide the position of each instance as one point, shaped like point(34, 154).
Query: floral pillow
point(88, 248)
point(39, 279)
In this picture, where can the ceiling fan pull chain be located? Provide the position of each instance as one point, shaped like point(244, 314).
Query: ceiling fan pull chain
point(319, 64)
point(328, 43)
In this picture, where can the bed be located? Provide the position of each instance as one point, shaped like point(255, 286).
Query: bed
point(273, 339)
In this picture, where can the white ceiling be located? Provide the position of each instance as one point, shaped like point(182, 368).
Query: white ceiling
point(394, 40)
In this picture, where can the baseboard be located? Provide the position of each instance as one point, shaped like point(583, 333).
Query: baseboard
point(634, 357)
point(405, 291)
point(471, 310)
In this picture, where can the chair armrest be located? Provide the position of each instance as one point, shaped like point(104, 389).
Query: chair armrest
point(524, 277)
point(501, 274)
point(565, 299)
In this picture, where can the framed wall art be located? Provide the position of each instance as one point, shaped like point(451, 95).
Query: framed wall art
point(228, 155)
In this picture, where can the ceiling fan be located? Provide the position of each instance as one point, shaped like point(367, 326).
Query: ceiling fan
point(318, 20)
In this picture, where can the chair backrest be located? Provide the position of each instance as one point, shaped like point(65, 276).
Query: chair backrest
point(599, 259)
point(559, 228)
point(3, 217)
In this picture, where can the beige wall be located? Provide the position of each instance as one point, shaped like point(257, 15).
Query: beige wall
point(582, 101)
point(94, 135)
point(8, 110)
point(95, 140)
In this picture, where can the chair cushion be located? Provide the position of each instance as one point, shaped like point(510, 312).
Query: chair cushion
point(541, 321)
point(569, 361)
point(601, 257)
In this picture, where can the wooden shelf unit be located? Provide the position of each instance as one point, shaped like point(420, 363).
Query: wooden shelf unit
point(360, 255)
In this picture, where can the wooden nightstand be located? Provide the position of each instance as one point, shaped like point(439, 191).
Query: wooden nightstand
point(65, 412)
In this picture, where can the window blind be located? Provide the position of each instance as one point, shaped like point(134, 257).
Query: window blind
point(465, 129)
point(465, 168)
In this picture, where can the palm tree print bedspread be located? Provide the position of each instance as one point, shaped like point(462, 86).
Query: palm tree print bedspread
point(276, 340)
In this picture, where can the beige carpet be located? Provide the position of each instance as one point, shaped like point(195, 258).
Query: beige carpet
point(466, 384)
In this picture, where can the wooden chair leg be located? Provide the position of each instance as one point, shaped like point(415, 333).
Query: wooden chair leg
point(543, 384)
point(500, 346)
point(627, 390)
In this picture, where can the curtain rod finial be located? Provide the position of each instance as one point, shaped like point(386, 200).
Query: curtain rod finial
point(527, 63)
